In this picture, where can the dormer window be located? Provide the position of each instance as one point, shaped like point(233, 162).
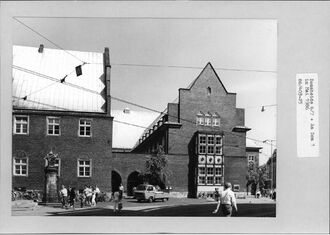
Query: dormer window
point(216, 119)
point(208, 119)
point(200, 119)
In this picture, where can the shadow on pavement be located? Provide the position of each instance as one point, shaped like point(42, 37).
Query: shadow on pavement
point(203, 210)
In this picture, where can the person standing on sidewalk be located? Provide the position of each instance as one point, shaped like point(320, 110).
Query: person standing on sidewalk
point(64, 196)
point(227, 201)
point(72, 196)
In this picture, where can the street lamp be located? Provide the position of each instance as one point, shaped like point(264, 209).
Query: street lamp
point(271, 161)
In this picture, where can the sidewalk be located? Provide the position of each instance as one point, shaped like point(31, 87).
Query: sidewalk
point(28, 207)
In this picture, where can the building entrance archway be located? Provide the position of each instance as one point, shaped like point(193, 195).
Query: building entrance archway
point(133, 180)
point(115, 181)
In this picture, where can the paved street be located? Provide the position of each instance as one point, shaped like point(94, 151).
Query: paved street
point(249, 207)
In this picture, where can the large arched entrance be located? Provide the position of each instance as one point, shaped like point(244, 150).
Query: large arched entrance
point(133, 180)
point(115, 181)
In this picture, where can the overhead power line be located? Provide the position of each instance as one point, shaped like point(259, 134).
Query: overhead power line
point(140, 65)
point(44, 37)
point(121, 100)
point(194, 67)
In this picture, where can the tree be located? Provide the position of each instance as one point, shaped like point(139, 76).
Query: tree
point(256, 177)
point(156, 169)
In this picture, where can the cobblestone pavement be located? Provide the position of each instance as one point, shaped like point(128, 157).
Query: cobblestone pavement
point(30, 208)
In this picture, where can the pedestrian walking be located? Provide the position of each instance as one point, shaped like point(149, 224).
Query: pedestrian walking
point(117, 202)
point(97, 193)
point(227, 201)
point(93, 203)
point(64, 196)
point(72, 197)
point(121, 191)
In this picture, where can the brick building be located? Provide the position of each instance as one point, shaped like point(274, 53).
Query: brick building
point(204, 134)
point(72, 123)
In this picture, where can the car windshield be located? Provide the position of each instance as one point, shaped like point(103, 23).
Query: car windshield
point(141, 187)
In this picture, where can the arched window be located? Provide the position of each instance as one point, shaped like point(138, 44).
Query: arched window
point(209, 91)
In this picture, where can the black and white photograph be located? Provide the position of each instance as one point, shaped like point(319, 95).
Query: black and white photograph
point(127, 115)
point(144, 117)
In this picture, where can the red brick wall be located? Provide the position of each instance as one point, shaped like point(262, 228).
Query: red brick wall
point(127, 163)
point(69, 148)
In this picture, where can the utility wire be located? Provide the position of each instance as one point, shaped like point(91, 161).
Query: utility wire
point(189, 67)
point(58, 46)
point(124, 101)
point(141, 65)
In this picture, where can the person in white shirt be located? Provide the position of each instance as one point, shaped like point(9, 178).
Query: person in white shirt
point(227, 201)
point(64, 196)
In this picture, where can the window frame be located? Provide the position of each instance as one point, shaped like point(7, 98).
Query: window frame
point(27, 125)
point(81, 125)
point(53, 125)
point(251, 156)
point(21, 164)
point(90, 168)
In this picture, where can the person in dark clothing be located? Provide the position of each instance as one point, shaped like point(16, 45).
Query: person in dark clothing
point(72, 196)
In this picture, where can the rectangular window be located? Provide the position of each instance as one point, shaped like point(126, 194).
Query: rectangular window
point(218, 140)
point(218, 150)
point(53, 126)
point(210, 139)
point(20, 166)
point(85, 128)
point(216, 121)
point(210, 149)
point(202, 139)
point(201, 170)
point(84, 168)
point(209, 180)
point(200, 120)
point(202, 149)
point(210, 170)
point(218, 171)
point(217, 180)
point(21, 125)
point(207, 121)
point(251, 158)
point(201, 180)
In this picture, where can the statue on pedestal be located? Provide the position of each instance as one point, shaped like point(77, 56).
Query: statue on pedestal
point(51, 194)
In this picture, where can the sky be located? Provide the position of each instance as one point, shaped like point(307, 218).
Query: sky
point(182, 47)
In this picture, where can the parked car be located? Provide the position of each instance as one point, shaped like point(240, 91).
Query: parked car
point(150, 193)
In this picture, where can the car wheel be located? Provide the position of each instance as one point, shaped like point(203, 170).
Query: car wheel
point(150, 199)
point(139, 200)
point(167, 199)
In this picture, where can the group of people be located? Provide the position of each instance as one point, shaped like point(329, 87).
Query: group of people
point(68, 196)
point(88, 196)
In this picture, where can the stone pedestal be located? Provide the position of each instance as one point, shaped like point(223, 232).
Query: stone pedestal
point(51, 194)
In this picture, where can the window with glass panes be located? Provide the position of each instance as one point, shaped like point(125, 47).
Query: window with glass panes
point(210, 172)
point(84, 168)
point(200, 120)
point(85, 126)
point(53, 126)
point(215, 121)
point(202, 144)
point(20, 166)
point(21, 125)
point(208, 120)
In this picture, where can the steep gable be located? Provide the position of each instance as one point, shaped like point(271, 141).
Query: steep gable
point(208, 73)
